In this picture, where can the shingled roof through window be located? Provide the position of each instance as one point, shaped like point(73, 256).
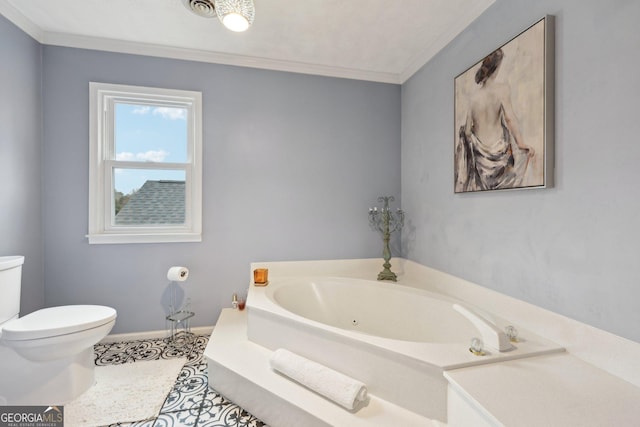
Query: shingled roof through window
point(157, 202)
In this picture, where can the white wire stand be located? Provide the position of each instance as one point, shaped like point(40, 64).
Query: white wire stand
point(180, 327)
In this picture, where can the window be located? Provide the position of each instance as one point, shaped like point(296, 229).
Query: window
point(145, 171)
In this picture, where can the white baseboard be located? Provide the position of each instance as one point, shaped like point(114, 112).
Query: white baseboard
point(149, 335)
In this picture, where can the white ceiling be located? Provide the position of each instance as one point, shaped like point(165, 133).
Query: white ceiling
point(377, 40)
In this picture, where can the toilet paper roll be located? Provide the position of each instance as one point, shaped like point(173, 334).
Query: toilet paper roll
point(178, 274)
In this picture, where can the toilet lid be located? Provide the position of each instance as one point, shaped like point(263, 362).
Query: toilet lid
point(54, 321)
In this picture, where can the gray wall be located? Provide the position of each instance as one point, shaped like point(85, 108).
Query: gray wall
point(20, 158)
point(291, 165)
point(293, 162)
point(574, 248)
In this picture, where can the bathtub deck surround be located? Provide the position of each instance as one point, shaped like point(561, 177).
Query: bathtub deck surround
point(556, 390)
point(596, 368)
point(419, 336)
point(611, 353)
point(616, 355)
point(239, 369)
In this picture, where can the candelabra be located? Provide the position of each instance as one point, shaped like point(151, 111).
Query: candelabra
point(386, 222)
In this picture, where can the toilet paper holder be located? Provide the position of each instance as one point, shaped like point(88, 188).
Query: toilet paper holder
point(179, 318)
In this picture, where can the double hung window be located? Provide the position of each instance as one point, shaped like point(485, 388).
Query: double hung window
point(145, 171)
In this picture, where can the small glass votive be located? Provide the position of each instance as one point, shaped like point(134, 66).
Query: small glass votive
point(260, 276)
point(242, 301)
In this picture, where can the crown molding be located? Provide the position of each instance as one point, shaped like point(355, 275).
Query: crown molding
point(122, 46)
point(146, 49)
point(21, 21)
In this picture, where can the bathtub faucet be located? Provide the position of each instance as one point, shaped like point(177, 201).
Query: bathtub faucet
point(386, 222)
point(491, 334)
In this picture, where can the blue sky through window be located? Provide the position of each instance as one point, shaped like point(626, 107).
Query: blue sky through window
point(148, 133)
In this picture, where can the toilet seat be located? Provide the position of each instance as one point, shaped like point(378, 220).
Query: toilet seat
point(56, 321)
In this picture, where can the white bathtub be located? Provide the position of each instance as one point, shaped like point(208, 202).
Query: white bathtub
point(396, 339)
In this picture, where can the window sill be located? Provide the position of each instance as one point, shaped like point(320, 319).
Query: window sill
point(101, 239)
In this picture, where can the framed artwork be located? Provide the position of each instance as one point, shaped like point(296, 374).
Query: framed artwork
point(504, 110)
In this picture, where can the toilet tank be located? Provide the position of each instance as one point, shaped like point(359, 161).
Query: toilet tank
point(10, 282)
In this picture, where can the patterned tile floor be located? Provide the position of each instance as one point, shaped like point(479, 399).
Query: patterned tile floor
point(191, 402)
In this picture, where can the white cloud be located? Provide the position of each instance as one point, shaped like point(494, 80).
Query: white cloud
point(125, 156)
point(147, 156)
point(142, 110)
point(166, 112)
point(171, 113)
point(152, 156)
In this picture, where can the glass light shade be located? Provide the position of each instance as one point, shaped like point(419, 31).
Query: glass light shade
point(235, 22)
point(236, 15)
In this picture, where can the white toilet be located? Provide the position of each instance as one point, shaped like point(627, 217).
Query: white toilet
point(46, 357)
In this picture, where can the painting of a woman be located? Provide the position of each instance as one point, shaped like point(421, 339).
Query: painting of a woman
point(500, 118)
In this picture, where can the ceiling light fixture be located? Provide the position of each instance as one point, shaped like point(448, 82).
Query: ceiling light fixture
point(236, 15)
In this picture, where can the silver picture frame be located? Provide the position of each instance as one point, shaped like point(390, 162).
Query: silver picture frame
point(504, 115)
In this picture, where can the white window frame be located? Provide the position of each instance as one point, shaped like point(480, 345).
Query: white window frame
point(102, 161)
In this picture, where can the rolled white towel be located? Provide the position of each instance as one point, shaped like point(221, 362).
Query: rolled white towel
point(333, 385)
